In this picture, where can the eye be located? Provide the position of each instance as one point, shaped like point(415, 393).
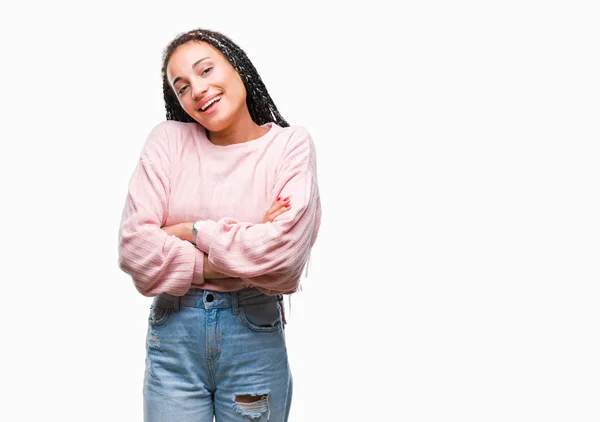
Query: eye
point(205, 71)
point(182, 89)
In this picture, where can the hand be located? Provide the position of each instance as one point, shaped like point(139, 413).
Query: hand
point(279, 207)
point(184, 230)
point(181, 230)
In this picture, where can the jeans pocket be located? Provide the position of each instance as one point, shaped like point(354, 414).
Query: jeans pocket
point(262, 317)
point(158, 316)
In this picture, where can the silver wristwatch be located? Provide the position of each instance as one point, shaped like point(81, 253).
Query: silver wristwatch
point(195, 229)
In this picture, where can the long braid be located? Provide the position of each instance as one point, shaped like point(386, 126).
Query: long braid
point(260, 105)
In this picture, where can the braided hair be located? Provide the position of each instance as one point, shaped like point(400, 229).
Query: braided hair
point(259, 102)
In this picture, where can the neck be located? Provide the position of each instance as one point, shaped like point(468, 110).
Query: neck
point(243, 129)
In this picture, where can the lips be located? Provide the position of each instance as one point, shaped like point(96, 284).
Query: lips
point(206, 100)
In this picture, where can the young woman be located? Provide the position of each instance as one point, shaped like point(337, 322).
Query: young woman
point(222, 211)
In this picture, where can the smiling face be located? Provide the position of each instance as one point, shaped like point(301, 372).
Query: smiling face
point(201, 76)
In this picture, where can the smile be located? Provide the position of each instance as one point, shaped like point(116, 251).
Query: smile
point(210, 102)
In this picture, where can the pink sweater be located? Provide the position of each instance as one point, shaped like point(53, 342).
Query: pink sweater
point(181, 177)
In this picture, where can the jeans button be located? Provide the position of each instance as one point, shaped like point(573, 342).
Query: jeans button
point(210, 298)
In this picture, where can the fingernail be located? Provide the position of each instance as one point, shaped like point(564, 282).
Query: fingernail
point(279, 198)
point(287, 206)
point(287, 199)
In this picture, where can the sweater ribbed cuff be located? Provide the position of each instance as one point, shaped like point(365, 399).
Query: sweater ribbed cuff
point(205, 236)
point(198, 267)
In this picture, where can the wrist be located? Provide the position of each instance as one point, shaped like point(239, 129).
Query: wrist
point(204, 237)
point(185, 231)
point(195, 226)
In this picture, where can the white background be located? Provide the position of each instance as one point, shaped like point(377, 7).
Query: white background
point(456, 274)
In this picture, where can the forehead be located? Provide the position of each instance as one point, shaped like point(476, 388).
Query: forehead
point(186, 55)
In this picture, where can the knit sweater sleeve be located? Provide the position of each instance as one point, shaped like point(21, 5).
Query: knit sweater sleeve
point(156, 261)
point(272, 255)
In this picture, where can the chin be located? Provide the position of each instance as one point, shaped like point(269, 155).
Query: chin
point(214, 125)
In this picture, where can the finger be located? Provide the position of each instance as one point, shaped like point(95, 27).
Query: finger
point(279, 212)
point(276, 205)
point(280, 202)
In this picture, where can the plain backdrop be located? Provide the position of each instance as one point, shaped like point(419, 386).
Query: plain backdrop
point(456, 274)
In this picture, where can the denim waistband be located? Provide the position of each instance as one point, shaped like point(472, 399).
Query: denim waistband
point(208, 299)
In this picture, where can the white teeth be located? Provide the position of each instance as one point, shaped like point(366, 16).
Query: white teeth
point(210, 102)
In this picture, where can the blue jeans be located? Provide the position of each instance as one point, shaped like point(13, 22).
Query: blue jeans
point(211, 353)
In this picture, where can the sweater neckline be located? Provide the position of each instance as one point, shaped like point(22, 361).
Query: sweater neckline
point(272, 126)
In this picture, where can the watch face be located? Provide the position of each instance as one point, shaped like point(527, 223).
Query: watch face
point(197, 225)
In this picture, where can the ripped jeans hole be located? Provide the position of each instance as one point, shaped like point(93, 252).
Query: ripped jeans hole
point(252, 405)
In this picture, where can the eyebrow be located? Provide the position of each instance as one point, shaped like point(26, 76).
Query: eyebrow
point(177, 79)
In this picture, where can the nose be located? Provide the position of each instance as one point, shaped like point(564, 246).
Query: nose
point(198, 89)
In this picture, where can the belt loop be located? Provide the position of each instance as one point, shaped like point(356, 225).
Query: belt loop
point(234, 303)
point(175, 303)
point(172, 301)
point(280, 299)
